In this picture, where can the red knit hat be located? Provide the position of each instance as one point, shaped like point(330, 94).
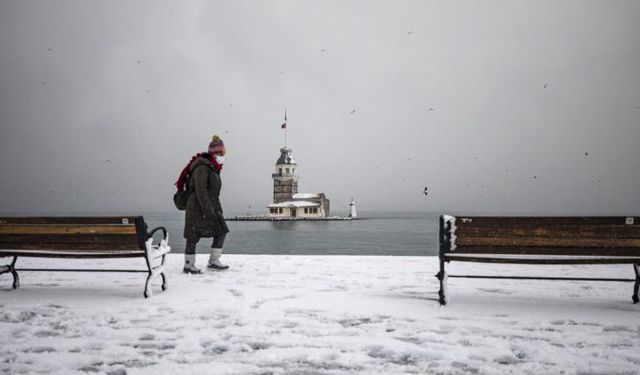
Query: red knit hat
point(216, 146)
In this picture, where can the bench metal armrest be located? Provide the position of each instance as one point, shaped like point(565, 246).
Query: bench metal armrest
point(154, 230)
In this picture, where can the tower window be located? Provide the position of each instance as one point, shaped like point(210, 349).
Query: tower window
point(287, 170)
point(280, 171)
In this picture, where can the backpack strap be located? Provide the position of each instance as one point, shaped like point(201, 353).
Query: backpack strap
point(188, 182)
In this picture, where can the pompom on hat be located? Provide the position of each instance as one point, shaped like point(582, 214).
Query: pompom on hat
point(216, 146)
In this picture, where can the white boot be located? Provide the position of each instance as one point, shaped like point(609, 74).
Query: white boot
point(190, 264)
point(214, 260)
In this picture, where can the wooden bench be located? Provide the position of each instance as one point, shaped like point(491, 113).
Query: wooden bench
point(539, 240)
point(83, 237)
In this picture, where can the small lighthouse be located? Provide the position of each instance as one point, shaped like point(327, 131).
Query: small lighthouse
point(352, 209)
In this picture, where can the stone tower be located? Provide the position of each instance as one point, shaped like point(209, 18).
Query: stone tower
point(285, 180)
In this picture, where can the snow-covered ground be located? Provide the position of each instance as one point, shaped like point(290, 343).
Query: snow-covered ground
point(275, 314)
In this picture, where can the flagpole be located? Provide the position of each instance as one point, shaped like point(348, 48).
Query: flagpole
point(285, 127)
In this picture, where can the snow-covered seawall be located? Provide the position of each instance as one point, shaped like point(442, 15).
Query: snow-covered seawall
point(318, 315)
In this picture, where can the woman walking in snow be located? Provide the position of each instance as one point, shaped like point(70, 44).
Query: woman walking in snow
point(203, 214)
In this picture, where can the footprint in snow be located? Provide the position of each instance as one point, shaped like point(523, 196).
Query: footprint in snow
point(492, 290)
point(616, 328)
point(40, 349)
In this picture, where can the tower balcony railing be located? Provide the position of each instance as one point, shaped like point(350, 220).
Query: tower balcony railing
point(284, 175)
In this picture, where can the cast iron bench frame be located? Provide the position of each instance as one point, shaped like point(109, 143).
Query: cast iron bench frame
point(539, 240)
point(83, 237)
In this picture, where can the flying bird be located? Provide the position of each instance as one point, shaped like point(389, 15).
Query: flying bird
point(586, 154)
point(432, 109)
point(425, 191)
point(354, 111)
point(545, 85)
point(410, 32)
point(108, 161)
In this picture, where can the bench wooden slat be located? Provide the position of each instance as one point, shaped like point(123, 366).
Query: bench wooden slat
point(48, 253)
point(66, 229)
point(68, 238)
point(547, 241)
point(528, 259)
point(69, 220)
point(586, 231)
point(524, 221)
point(546, 250)
point(70, 246)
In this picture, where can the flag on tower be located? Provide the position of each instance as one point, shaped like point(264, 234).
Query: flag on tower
point(284, 126)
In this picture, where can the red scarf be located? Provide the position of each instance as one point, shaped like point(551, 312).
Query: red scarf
point(183, 175)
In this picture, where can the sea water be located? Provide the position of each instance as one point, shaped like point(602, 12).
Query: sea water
point(373, 234)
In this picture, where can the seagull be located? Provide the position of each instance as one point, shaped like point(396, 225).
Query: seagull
point(432, 109)
point(535, 177)
point(425, 191)
point(410, 32)
point(586, 154)
point(354, 111)
point(108, 161)
point(545, 85)
point(323, 50)
point(50, 50)
point(138, 61)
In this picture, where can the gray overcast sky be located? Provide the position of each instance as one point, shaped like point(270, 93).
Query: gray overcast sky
point(496, 106)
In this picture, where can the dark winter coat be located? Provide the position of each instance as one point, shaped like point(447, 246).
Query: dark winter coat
point(203, 215)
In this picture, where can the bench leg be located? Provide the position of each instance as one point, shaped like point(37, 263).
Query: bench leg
point(442, 276)
point(636, 268)
point(147, 286)
point(152, 253)
point(153, 273)
point(11, 268)
point(164, 277)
